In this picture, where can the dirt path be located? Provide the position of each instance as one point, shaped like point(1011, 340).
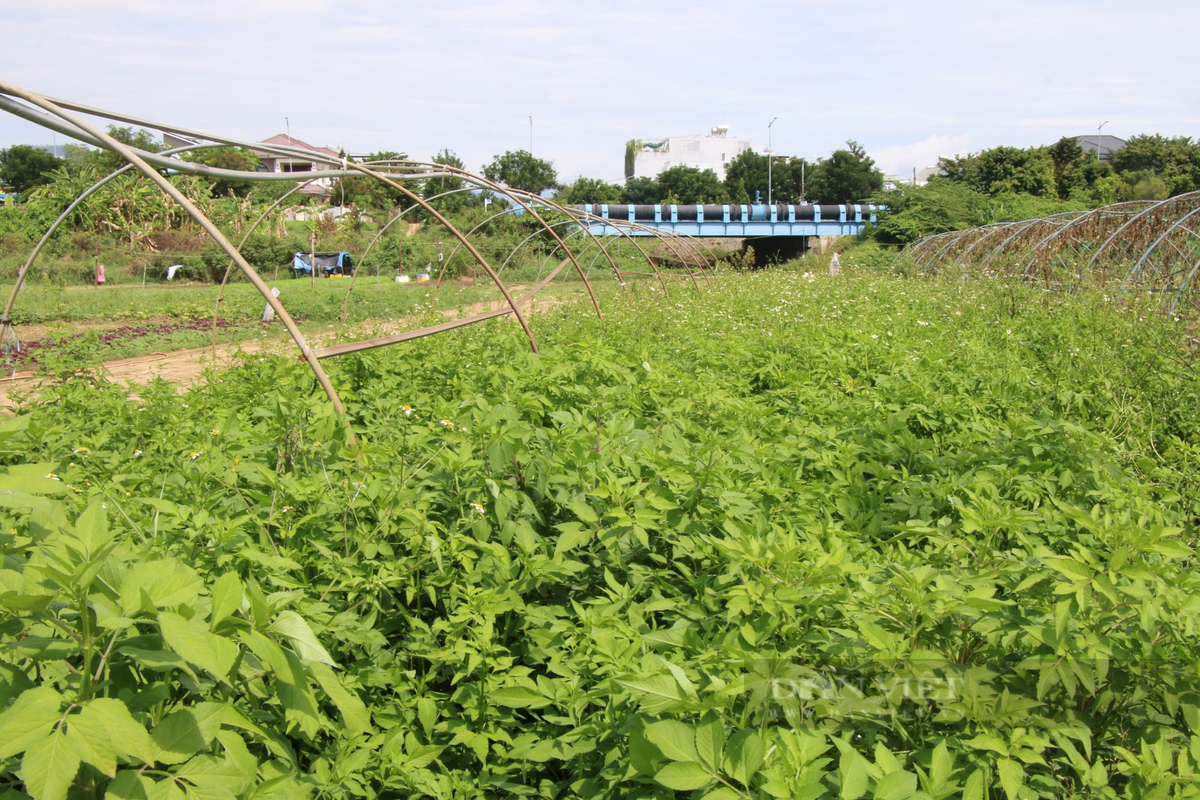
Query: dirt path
point(186, 368)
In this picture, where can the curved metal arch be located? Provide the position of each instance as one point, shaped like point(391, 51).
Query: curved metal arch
point(470, 247)
point(1148, 210)
point(936, 259)
point(1175, 226)
point(1184, 286)
point(171, 191)
point(1084, 218)
point(921, 249)
point(245, 238)
point(996, 227)
point(470, 178)
point(572, 213)
point(667, 238)
point(467, 176)
point(925, 242)
point(86, 193)
point(1020, 231)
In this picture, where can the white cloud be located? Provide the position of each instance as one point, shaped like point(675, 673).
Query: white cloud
point(901, 159)
point(910, 81)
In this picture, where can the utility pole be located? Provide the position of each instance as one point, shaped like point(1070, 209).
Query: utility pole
point(770, 158)
point(1099, 138)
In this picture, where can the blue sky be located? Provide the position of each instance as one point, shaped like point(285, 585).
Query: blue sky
point(910, 80)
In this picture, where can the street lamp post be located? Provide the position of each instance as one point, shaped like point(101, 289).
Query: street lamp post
point(770, 158)
point(1100, 138)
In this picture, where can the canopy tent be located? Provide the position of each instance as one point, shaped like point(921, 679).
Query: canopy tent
point(326, 263)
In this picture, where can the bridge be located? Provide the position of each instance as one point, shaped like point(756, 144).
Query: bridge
point(734, 221)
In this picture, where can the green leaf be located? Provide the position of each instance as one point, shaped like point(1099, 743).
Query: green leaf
point(238, 754)
point(92, 528)
point(28, 719)
point(582, 510)
point(194, 642)
point(177, 738)
point(49, 767)
point(129, 785)
point(427, 713)
point(1012, 777)
point(292, 627)
point(676, 740)
point(975, 787)
point(683, 776)
point(941, 766)
point(896, 786)
point(31, 478)
point(643, 755)
point(14, 425)
point(519, 697)
point(658, 693)
point(354, 713)
point(93, 742)
point(128, 736)
point(744, 755)
point(710, 741)
point(853, 771)
point(571, 535)
point(226, 597)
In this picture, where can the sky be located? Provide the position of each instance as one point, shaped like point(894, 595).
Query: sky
point(911, 81)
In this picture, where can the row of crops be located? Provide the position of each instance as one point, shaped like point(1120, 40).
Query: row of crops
point(789, 537)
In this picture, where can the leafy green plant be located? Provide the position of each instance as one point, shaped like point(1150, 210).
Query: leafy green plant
point(799, 537)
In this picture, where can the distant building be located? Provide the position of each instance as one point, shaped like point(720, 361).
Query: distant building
point(712, 151)
point(56, 150)
point(271, 162)
point(1105, 144)
point(919, 177)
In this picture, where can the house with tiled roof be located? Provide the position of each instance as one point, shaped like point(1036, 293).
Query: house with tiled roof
point(273, 162)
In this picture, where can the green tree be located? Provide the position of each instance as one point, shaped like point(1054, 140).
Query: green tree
point(1013, 169)
point(642, 190)
point(745, 174)
point(235, 158)
point(1174, 160)
point(520, 170)
point(105, 161)
point(684, 184)
point(22, 167)
point(590, 190)
point(846, 176)
point(453, 202)
point(939, 206)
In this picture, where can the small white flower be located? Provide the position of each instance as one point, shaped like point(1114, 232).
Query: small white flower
point(408, 411)
point(52, 476)
point(447, 424)
point(478, 509)
point(194, 456)
point(137, 452)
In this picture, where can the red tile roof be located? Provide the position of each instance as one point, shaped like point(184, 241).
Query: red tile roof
point(292, 141)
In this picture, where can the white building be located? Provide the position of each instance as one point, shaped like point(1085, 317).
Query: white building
point(712, 151)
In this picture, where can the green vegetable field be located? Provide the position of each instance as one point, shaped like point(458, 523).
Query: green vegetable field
point(791, 537)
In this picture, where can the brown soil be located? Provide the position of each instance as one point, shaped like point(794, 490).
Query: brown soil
point(186, 368)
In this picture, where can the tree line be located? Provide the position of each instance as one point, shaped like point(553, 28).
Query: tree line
point(998, 184)
point(1005, 184)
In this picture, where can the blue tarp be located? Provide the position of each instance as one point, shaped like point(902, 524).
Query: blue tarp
point(329, 263)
